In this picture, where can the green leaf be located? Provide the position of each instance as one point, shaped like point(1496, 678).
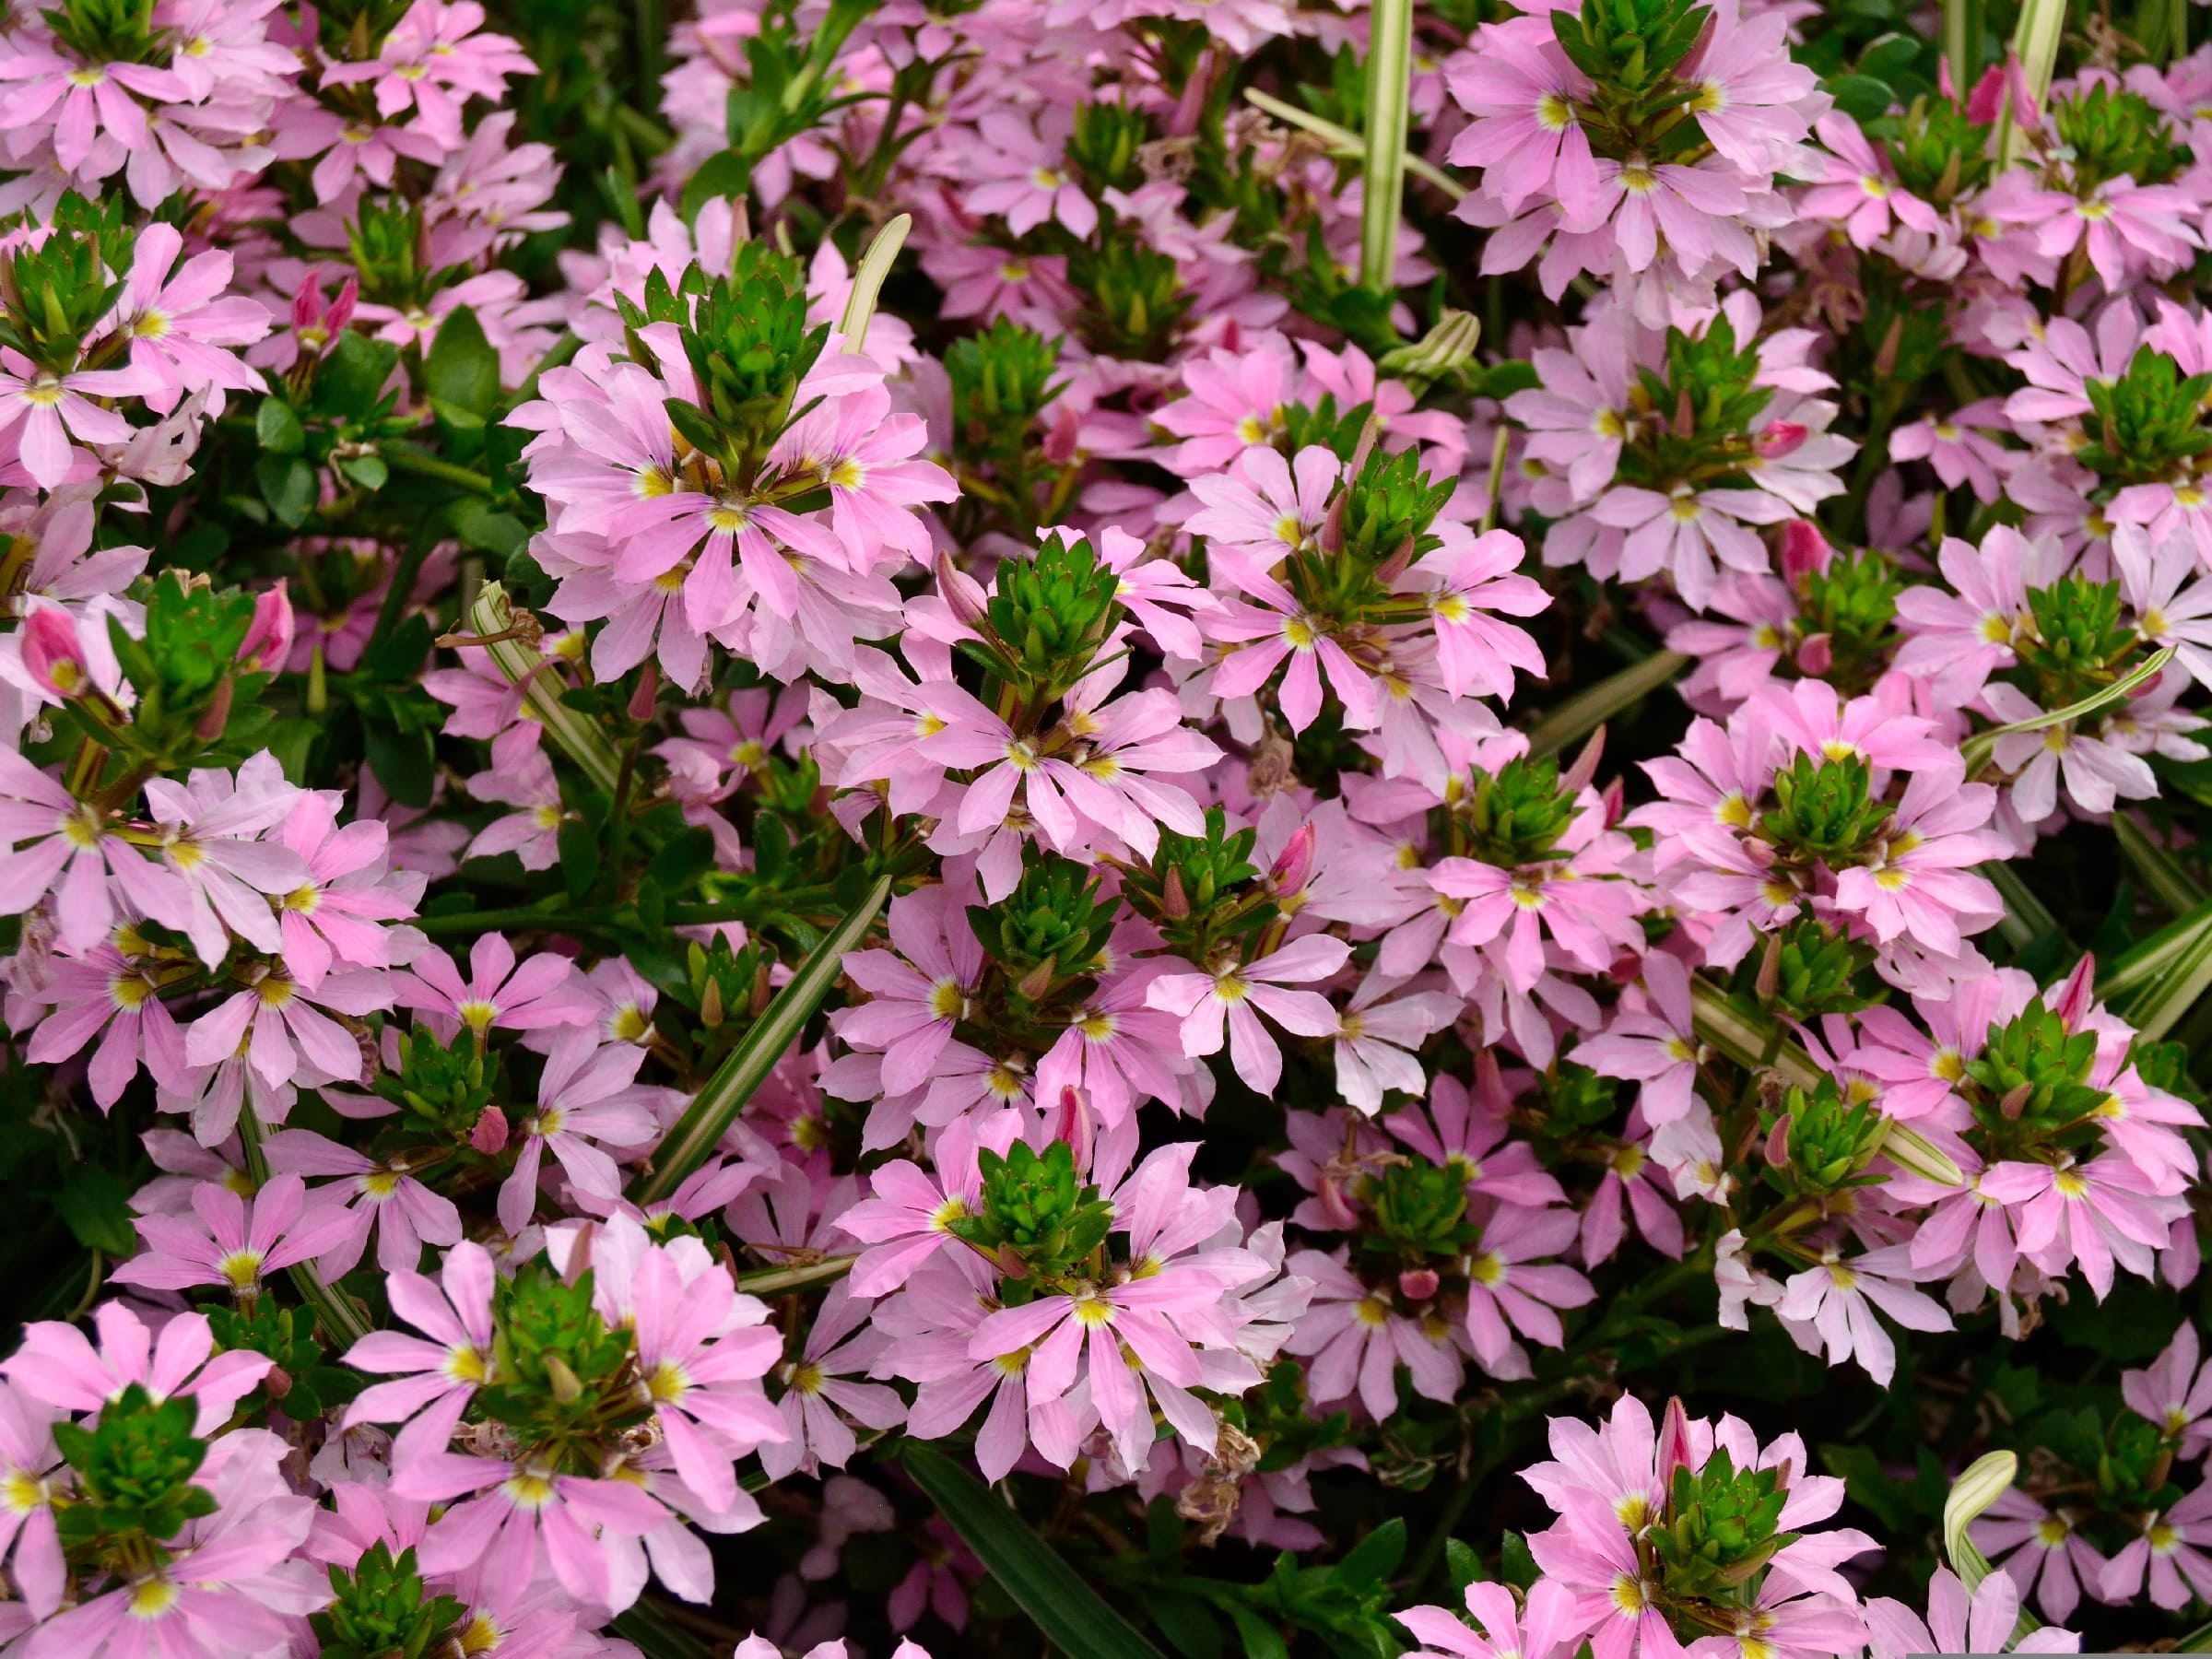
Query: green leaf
point(1261, 1639)
point(1463, 1564)
point(96, 1204)
point(1862, 97)
point(1032, 1572)
point(287, 483)
point(278, 429)
point(725, 173)
point(1375, 1557)
point(578, 858)
point(676, 867)
point(716, 1106)
point(1585, 713)
point(1516, 1564)
point(462, 370)
point(351, 379)
point(368, 471)
point(485, 531)
point(405, 762)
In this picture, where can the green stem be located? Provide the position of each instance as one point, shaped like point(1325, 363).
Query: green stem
point(430, 466)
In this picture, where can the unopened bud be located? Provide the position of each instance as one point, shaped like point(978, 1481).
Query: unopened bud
point(1293, 867)
point(1417, 1283)
point(2016, 1100)
point(1391, 569)
point(268, 640)
point(277, 1381)
point(647, 694)
point(1817, 655)
point(1769, 969)
point(1174, 903)
point(211, 723)
point(1576, 778)
point(1335, 1210)
point(710, 1004)
point(2080, 992)
point(489, 1135)
point(51, 654)
point(1673, 1442)
point(1779, 440)
point(1076, 1127)
point(1038, 980)
point(1804, 551)
point(566, 1388)
point(1778, 1143)
point(963, 595)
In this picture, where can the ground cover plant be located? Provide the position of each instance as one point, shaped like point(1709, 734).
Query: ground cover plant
point(1150, 827)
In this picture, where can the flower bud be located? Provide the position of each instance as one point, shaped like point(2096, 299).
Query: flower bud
point(963, 595)
point(51, 654)
point(489, 1135)
point(1293, 867)
point(268, 640)
point(1817, 655)
point(1417, 1283)
point(1780, 438)
point(1804, 551)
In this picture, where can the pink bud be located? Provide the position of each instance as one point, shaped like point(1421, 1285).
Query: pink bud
point(963, 595)
point(1805, 550)
point(1988, 96)
point(52, 655)
point(1294, 867)
point(1074, 1126)
point(1673, 1442)
point(307, 306)
point(1576, 778)
point(489, 1135)
point(341, 309)
point(1490, 1092)
point(1417, 1283)
point(1780, 438)
point(1614, 799)
point(1335, 1210)
point(1778, 1142)
point(2080, 992)
point(1817, 655)
point(268, 640)
point(1944, 83)
point(648, 693)
point(1063, 439)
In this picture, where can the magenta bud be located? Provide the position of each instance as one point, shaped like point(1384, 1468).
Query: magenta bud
point(1805, 550)
point(648, 693)
point(1817, 655)
point(1576, 778)
point(1294, 866)
point(52, 655)
point(963, 595)
point(2027, 113)
point(1780, 438)
point(1337, 1213)
point(341, 309)
point(1614, 799)
point(1778, 1143)
point(1074, 1126)
point(1417, 1283)
point(268, 640)
point(1988, 96)
point(2080, 992)
point(307, 306)
point(1673, 1442)
point(489, 1135)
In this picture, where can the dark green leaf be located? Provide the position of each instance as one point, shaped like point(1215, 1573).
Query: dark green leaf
point(96, 1203)
point(278, 429)
point(1043, 1585)
point(462, 370)
point(287, 483)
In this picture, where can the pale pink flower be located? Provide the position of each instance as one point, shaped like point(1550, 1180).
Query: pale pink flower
point(1241, 991)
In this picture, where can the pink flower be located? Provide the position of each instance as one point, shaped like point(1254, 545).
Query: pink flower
point(841, 1342)
point(283, 1034)
point(2040, 1551)
point(331, 918)
point(208, 839)
point(1475, 652)
point(119, 1002)
point(28, 1462)
point(403, 1213)
point(1917, 879)
point(1242, 991)
point(1267, 505)
point(586, 1094)
point(1858, 188)
point(1957, 1623)
point(236, 1242)
point(544, 991)
point(1656, 1043)
point(2172, 1547)
point(58, 1366)
point(1510, 1291)
point(75, 844)
point(2174, 1392)
point(1840, 1300)
point(1522, 91)
point(520, 775)
point(918, 990)
point(432, 52)
point(909, 1219)
point(1232, 401)
point(1024, 177)
point(1537, 1631)
point(434, 1379)
point(181, 330)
